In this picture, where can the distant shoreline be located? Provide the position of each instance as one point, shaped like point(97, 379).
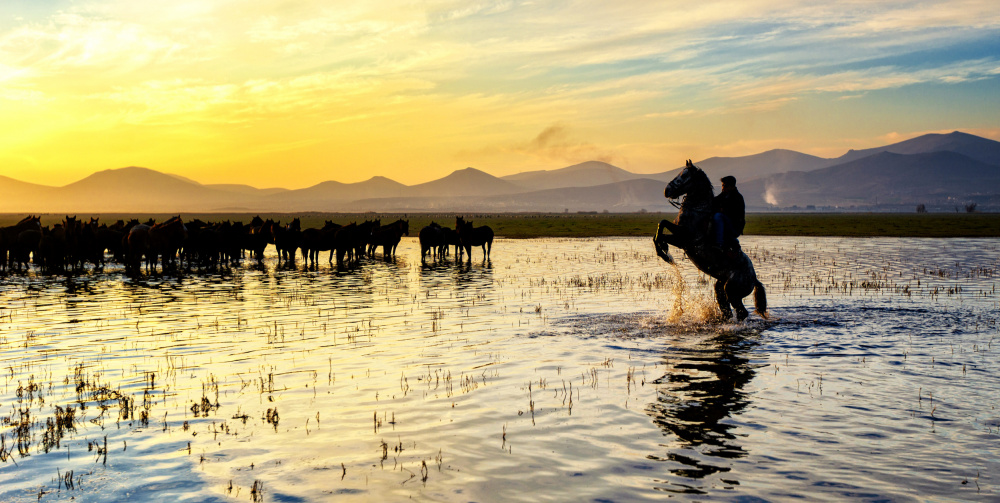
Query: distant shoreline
point(588, 225)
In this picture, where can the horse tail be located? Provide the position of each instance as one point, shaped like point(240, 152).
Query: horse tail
point(759, 299)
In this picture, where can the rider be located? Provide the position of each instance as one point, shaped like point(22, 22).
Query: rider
point(730, 215)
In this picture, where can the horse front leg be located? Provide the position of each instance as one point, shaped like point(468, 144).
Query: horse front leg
point(666, 235)
point(722, 299)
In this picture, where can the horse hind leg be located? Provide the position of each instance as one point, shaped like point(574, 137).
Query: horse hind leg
point(735, 293)
point(723, 299)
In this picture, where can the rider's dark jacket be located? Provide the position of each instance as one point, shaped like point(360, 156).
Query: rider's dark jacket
point(731, 205)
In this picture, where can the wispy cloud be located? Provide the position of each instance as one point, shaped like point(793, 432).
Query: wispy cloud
point(474, 75)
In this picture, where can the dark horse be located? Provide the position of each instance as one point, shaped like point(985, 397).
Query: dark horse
point(735, 276)
point(471, 236)
point(388, 236)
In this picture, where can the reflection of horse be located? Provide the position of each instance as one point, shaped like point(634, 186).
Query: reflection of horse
point(735, 277)
point(697, 412)
point(471, 236)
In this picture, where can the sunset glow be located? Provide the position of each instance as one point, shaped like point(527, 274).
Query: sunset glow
point(290, 94)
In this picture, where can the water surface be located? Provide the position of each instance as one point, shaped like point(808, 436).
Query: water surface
point(565, 369)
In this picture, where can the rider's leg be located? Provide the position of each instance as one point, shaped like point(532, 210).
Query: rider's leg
point(721, 225)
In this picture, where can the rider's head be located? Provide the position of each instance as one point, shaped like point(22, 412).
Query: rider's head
point(728, 182)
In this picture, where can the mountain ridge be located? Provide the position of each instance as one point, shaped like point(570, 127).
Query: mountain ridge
point(774, 172)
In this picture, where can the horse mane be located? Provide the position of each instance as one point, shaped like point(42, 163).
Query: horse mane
point(704, 180)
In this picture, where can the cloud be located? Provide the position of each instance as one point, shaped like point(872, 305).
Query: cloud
point(447, 75)
point(70, 43)
point(556, 142)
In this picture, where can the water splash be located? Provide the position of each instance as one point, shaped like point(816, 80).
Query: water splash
point(679, 286)
point(689, 307)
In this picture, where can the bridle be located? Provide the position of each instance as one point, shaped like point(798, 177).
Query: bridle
point(676, 202)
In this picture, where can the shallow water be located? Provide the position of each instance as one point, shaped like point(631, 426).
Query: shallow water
point(565, 370)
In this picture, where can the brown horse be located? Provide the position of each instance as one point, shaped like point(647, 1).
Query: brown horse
point(52, 249)
point(346, 241)
point(432, 239)
point(474, 236)
point(258, 237)
point(286, 240)
point(10, 249)
point(388, 237)
point(315, 240)
point(166, 239)
point(137, 243)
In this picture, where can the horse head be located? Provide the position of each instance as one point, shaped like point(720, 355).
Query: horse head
point(691, 179)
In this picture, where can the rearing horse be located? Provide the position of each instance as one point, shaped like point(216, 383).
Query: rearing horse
point(735, 277)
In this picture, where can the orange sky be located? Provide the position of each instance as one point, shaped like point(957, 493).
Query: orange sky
point(275, 93)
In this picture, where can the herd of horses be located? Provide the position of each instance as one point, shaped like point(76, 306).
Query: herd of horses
point(73, 243)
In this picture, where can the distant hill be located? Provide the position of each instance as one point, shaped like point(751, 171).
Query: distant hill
point(975, 147)
point(17, 193)
point(244, 189)
point(883, 178)
point(585, 174)
point(110, 190)
point(136, 187)
point(326, 196)
point(762, 164)
point(465, 182)
point(627, 196)
point(931, 169)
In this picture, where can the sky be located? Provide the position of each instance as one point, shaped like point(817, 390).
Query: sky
point(290, 93)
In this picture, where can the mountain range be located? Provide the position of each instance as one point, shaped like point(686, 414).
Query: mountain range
point(939, 170)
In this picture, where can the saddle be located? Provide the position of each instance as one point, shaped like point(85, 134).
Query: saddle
point(730, 246)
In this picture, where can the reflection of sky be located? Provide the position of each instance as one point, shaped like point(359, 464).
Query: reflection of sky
point(598, 394)
point(451, 85)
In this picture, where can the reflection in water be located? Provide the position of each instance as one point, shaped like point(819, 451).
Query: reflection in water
point(701, 390)
point(530, 378)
